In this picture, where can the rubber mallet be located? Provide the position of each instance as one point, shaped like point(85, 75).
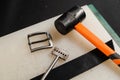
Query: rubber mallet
point(71, 20)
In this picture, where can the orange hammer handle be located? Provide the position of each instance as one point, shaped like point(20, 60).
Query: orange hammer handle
point(98, 43)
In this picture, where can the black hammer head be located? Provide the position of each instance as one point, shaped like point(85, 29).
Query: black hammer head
point(69, 19)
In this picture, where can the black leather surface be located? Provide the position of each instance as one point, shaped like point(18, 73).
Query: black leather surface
point(18, 14)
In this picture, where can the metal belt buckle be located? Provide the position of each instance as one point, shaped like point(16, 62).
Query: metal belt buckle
point(47, 39)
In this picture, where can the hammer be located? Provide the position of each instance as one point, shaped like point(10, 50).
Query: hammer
point(71, 20)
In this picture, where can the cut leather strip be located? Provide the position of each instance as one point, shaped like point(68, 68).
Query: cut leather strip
point(77, 66)
point(115, 56)
point(119, 65)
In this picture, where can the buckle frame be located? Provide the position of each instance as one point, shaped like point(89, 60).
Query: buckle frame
point(48, 38)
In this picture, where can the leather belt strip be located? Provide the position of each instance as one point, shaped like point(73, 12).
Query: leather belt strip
point(77, 66)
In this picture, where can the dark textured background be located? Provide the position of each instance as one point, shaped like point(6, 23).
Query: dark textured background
point(18, 14)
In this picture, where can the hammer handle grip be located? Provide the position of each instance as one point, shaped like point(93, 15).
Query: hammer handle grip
point(98, 43)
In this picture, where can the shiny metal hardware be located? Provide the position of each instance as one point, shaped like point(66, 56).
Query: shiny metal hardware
point(48, 39)
point(60, 54)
